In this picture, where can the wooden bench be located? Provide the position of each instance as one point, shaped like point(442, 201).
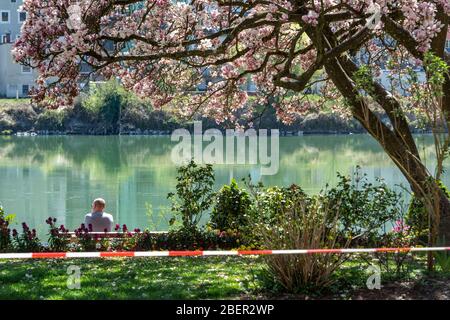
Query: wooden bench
point(107, 235)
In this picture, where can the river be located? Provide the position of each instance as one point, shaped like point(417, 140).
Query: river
point(59, 176)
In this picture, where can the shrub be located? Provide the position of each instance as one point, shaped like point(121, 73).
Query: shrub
point(58, 240)
point(307, 224)
point(51, 119)
point(417, 216)
point(5, 231)
point(401, 236)
point(443, 260)
point(7, 132)
point(104, 103)
point(364, 209)
point(184, 239)
point(231, 208)
point(194, 191)
point(269, 203)
point(86, 241)
point(26, 241)
point(268, 206)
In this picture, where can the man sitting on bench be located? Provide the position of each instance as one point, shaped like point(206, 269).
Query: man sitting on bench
point(100, 221)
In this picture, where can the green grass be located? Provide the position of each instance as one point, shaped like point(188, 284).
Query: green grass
point(7, 103)
point(135, 278)
point(182, 278)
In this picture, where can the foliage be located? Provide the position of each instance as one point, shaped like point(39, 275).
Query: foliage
point(86, 241)
point(267, 206)
point(306, 224)
point(105, 103)
point(437, 69)
point(443, 260)
point(417, 216)
point(51, 119)
point(5, 231)
point(194, 191)
point(363, 208)
point(58, 240)
point(401, 236)
point(26, 241)
point(231, 208)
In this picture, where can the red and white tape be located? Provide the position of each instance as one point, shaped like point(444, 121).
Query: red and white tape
point(56, 255)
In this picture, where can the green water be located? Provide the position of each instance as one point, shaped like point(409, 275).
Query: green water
point(59, 176)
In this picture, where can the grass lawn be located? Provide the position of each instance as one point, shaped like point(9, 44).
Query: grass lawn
point(7, 103)
point(201, 278)
point(136, 278)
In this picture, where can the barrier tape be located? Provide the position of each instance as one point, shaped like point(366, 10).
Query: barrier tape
point(59, 255)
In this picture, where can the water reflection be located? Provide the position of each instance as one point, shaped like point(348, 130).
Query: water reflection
point(60, 175)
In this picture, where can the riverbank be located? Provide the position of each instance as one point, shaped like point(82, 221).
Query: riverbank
point(111, 110)
point(21, 118)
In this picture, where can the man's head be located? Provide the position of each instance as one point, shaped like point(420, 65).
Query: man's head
point(98, 205)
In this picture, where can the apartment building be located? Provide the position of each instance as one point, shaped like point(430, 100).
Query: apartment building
point(15, 80)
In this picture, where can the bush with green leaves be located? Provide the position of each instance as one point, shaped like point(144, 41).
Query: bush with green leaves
point(5, 231)
point(51, 119)
point(417, 216)
point(194, 191)
point(268, 205)
point(108, 102)
point(365, 210)
point(231, 208)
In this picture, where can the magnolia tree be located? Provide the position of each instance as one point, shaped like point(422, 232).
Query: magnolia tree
point(163, 49)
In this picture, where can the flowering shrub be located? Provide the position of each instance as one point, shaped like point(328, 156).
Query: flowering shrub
point(58, 236)
point(5, 231)
point(199, 240)
point(125, 240)
point(401, 236)
point(87, 241)
point(27, 241)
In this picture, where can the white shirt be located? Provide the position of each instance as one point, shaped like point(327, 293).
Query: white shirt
point(99, 221)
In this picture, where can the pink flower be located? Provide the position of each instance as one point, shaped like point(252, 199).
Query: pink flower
point(311, 18)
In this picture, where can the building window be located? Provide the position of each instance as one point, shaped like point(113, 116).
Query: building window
point(25, 90)
point(447, 44)
point(6, 38)
point(26, 69)
point(22, 16)
point(4, 16)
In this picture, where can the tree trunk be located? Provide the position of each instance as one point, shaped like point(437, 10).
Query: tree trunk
point(400, 149)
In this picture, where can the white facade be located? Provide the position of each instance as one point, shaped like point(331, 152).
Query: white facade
point(15, 80)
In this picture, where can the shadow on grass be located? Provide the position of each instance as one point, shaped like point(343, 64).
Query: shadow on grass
point(137, 278)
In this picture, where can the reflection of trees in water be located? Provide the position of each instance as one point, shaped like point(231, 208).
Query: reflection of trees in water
point(65, 172)
point(108, 154)
point(118, 155)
